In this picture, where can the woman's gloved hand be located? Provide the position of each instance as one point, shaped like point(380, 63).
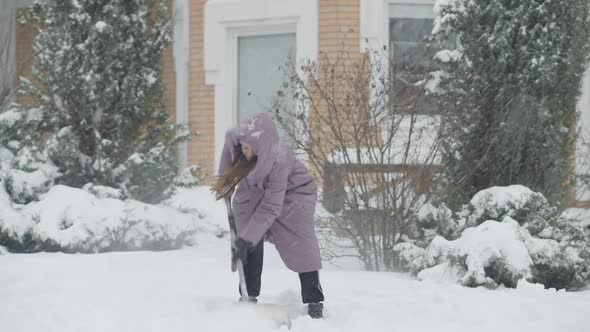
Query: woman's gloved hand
point(239, 250)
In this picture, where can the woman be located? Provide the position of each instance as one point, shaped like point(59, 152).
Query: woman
point(275, 201)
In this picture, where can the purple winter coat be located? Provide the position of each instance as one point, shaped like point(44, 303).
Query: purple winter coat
point(276, 200)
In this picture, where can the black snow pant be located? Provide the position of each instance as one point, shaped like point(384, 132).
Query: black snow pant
point(311, 290)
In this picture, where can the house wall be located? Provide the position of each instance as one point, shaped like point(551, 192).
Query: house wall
point(201, 149)
point(339, 26)
point(342, 25)
point(25, 37)
point(339, 36)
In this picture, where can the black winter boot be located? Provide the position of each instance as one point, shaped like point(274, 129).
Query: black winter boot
point(251, 299)
point(315, 310)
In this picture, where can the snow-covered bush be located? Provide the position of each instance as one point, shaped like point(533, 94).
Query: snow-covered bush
point(516, 201)
point(579, 217)
point(148, 177)
point(76, 220)
point(24, 187)
point(490, 254)
point(569, 267)
point(432, 221)
point(14, 227)
point(103, 191)
point(409, 257)
point(27, 174)
point(511, 233)
point(95, 119)
point(187, 178)
point(25, 171)
point(5, 155)
point(496, 253)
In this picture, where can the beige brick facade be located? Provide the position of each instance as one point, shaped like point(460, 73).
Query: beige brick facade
point(25, 36)
point(339, 23)
point(169, 80)
point(201, 99)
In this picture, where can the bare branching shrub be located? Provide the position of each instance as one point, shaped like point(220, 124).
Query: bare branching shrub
point(375, 160)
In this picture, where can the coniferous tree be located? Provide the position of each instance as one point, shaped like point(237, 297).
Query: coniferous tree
point(99, 114)
point(511, 93)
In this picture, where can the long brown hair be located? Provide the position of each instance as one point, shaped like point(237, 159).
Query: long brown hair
point(226, 183)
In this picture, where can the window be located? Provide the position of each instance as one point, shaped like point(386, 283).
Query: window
point(412, 50)
point(260, 74)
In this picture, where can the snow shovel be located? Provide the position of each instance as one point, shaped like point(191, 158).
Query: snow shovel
point(238, 262)
point(281, 315)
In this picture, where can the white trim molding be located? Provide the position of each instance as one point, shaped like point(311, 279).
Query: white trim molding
point(225, 21)
point(181, 67)
point(8, 24)
point(583, 149)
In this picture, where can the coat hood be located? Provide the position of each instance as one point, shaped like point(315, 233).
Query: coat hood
point(260, 132)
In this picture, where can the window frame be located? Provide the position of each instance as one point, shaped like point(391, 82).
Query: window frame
point(407, 14)
point(375, 33)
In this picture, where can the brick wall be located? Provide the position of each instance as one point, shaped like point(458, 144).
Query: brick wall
point(169, 75)
point(339, 25)
point(339, 41)
point(25, 36)
point(201, 98)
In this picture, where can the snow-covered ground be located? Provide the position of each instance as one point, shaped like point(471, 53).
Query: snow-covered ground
point(193, 290)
